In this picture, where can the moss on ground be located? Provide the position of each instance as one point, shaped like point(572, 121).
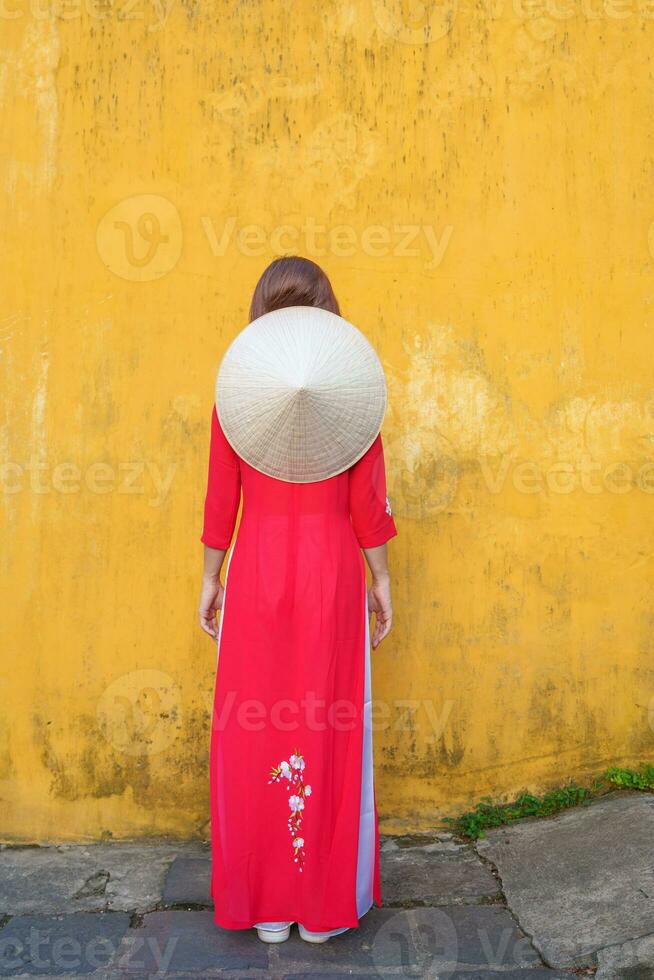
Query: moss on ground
point(488, 814)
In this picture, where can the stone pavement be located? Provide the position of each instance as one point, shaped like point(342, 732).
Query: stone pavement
point(542, 900)
point(582, 884)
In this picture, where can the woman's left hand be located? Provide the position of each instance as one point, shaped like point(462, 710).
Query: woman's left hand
point(211, 600)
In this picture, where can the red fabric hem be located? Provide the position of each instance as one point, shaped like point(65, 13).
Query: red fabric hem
point(212, 543)
point(312, 927)
point(381, 537)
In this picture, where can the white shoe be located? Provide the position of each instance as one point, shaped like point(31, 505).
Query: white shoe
point(315, 937)
point(274, 932)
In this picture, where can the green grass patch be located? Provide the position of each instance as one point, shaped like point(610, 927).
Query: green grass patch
point(487, 814)
point(642, 778)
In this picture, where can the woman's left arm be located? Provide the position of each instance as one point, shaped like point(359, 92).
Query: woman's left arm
point(373, 525)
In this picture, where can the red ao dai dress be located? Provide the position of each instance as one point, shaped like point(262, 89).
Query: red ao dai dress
point(294, 833)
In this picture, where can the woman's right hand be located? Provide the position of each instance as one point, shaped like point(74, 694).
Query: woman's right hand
point(211, 600)
point(379, 602)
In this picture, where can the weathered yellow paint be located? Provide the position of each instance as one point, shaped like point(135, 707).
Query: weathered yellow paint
point(477, 182)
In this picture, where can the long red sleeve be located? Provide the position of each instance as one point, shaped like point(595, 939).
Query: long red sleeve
point(223, 490)
point(370, 509)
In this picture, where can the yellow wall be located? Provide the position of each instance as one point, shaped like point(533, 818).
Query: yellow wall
point(477, 182)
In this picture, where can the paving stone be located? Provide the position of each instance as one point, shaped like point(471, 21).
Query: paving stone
point(426, 875)
point(542, 973)
point(188, 880)
point(331, 976)
point(580, 881)
point(123, 876)
point(482, 937)
point(77, 944)
point(629, 961)
point(436, 941)
point(444, 843)
point(313, 975)
point(187, 941)
point(392, 974)
point(350, 949)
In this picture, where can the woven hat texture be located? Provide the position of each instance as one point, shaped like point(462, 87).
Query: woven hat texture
point(300, 394)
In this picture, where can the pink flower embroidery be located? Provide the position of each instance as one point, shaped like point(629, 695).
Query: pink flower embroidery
point(290, 774)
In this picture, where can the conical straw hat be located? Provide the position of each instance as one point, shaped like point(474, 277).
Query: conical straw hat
point(300, 394)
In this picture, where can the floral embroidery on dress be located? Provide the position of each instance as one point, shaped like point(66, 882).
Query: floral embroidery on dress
point(292, 772)
point(388, 506)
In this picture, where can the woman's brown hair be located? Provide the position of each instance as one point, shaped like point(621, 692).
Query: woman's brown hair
point(292, 281)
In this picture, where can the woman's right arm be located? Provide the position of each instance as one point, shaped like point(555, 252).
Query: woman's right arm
point(212, 591)
point(220, 510)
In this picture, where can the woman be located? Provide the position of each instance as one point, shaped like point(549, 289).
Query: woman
point(293, 814)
